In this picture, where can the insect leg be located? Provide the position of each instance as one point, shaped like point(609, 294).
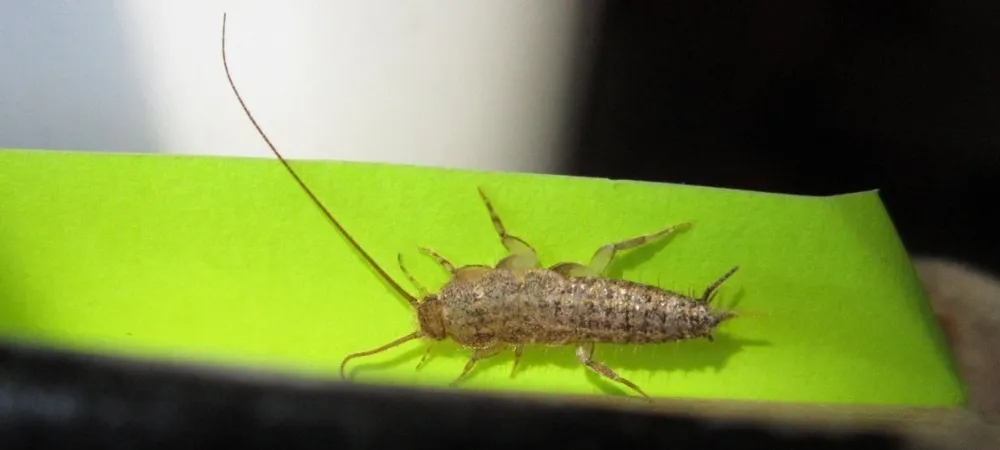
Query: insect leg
point(585, 354)
point(572, 269)
point(407, 338)
point(519, 261)
point(602, 258)
point(467, 272)
point(518, 350)
point(423, 359)
point(439, 259)
point(522, 255)
point(480, 353)
point(413, 281)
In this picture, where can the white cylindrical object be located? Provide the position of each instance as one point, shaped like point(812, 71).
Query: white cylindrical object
point(484, 85)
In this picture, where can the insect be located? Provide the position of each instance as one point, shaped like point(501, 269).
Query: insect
point(518, 303)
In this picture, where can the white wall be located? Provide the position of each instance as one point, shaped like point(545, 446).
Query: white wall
point(476, 84)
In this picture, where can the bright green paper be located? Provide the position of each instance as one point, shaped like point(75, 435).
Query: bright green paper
point(226, 260)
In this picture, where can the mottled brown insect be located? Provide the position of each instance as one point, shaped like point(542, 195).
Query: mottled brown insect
point(518, 302)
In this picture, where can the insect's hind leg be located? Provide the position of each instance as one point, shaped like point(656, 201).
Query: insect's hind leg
point(603, 256)
point(522, 255)
point(585, 354)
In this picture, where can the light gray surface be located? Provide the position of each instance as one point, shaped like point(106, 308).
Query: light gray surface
point(482, 85)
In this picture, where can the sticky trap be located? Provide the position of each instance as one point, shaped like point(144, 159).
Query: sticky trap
point(226, 260)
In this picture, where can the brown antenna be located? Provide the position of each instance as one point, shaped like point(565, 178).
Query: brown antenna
point(326, 212)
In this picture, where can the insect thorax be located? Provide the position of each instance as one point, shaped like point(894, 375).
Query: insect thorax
point(429, 314)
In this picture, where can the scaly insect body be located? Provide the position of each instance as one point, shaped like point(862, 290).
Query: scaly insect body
point(504, 307)
point(518, 302)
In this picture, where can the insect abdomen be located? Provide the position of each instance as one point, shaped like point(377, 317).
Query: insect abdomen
point(544, 307)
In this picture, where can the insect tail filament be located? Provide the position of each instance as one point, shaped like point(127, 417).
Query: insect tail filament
point(712, 289)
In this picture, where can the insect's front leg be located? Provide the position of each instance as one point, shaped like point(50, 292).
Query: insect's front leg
point(465, 272)
point(602, 258)
point(420, 287)
point(522, 255)
point(444, 263)
point(585, 353)
point(478, 354)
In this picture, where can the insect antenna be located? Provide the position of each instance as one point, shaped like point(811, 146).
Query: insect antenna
point(404, 339)
point(711, 289)
point(350, 239)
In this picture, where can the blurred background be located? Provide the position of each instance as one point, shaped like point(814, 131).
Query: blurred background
point(804, 97)
point(809, 97)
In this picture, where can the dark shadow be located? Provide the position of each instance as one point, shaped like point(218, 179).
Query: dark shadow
point(688, 356)
point(701, 355)
point(728, 301)
point(71, 81)
point(695, 355)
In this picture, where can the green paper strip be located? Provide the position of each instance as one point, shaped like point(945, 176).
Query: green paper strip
point(225, 259)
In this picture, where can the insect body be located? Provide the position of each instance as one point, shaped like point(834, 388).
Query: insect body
point(518, 302)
